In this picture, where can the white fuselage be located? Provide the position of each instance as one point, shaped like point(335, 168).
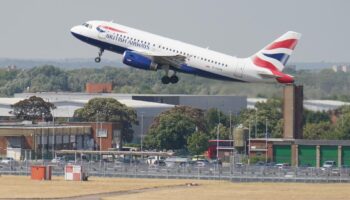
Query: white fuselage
point(208, 63)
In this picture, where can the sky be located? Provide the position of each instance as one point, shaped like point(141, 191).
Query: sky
point(40, 29)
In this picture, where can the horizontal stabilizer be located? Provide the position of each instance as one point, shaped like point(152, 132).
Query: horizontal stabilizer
point(267, 76)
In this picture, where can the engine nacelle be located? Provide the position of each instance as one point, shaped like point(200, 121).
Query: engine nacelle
point(139, 61)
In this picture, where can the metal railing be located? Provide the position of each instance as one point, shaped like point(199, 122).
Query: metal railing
point(187, 171)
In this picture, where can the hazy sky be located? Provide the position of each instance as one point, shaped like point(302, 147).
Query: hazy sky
point(40, 29)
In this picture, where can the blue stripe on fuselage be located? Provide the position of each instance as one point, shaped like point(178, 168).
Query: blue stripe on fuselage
point(184, 68)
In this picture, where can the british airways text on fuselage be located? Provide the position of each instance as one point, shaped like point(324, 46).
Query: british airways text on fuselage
point(122, 39)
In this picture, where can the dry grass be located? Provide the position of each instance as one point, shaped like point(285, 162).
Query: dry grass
point(245, 191)
point(24, 187)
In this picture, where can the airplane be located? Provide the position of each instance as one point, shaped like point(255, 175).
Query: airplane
point(148, 51)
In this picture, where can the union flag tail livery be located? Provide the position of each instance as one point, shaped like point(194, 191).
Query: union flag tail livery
point(147, 51)
point(275, 56)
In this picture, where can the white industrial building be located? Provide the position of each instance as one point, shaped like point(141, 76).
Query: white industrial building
point(314, 105)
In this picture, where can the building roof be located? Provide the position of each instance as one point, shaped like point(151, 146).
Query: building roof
point(66, 108)
point(314, 105)
point(31, 130)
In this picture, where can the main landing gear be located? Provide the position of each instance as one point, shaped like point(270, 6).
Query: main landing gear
point(98, 58)
point(172, 79)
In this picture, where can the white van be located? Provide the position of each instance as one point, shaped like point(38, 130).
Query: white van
point(329, 164)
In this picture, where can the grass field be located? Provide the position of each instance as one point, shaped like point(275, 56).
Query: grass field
point(246, 191)
point(23, 187)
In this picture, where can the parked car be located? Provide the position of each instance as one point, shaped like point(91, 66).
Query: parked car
point(260, 163)
point(159, 163)
point(201, 163)
point(329, 164)
point(57, 160)
point(239, 165)
point(7, 160)
point(216, 162)
point(335, 172)
point(282, 165)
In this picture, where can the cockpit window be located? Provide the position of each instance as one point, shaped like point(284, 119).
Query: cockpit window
point(87, 25)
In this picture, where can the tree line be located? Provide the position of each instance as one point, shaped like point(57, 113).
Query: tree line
point(324, 84)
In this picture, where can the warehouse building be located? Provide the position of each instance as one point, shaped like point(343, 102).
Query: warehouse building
point(292, 148)
point(24, 141)
point(299, 152)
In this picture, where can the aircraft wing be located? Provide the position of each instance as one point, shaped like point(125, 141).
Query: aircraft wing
point(171, 59)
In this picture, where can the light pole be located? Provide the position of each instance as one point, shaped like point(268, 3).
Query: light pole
point(256, 121)
point(142, 132)
point(249, 143)
point(266, 140)
point(230, 123)
point(231, 137)
point(42, 137)
point(217, 138)
point(53, 134)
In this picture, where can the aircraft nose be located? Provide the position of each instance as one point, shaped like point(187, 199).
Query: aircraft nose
point(75, 30)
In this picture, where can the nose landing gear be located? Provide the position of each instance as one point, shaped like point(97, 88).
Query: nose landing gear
point(98, 58)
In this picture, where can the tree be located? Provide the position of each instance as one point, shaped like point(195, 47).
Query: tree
point(315, 116)
point(171, 128)
point(318, 131)
point(213, 116)
point(196, 115)
point(197, 143)
point(109, 110)
point(270, 112)
point(224, 132)
point(34, 108)
point(171, 133)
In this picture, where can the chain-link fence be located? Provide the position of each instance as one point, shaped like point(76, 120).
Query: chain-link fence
point(226, 171)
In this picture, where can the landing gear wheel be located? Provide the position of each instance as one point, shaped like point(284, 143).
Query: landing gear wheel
point(174, 79)
point(165, 80)
point(97, 59)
